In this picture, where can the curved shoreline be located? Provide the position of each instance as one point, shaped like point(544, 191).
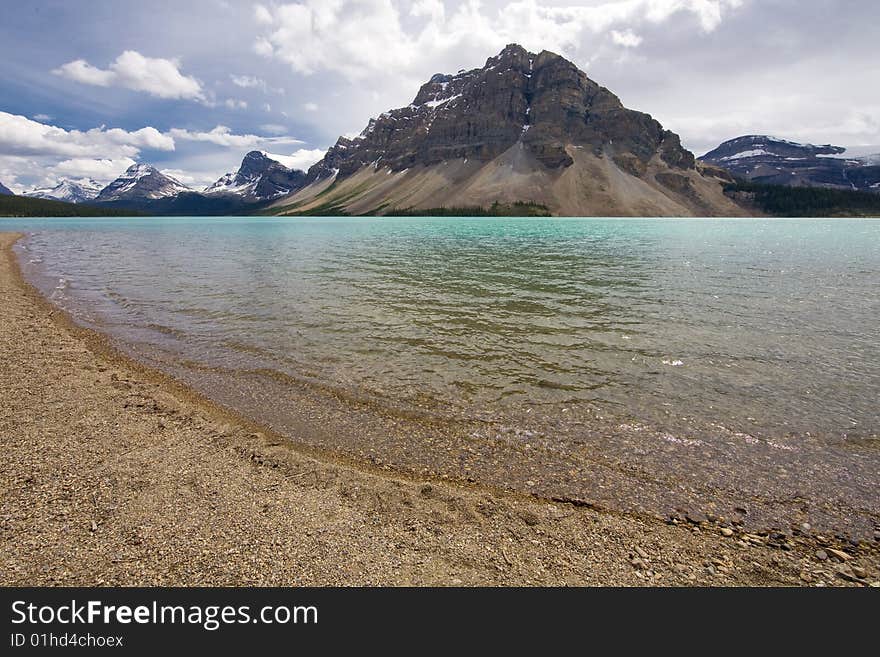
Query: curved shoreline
point(119, 474)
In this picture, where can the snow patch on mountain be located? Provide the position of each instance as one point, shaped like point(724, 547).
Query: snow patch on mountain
point(142, 182)
point(69, 191)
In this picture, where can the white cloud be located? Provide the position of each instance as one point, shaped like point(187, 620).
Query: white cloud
point(20, 135)
point(235, 104)
point(360, 38)
point(263, 46)
point(156, 76)
point(262, 15)
point(193, 179)
point(627, 38)
point(310, 107)
point(42, 118)
point(300, 159)
point(248, 82)
point(223, 136)
point(101, 170)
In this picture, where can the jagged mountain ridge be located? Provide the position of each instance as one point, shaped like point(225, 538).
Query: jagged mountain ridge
point(525, 127)
point(141, 182)
point(69, 191)
point(5, 191)
point(542, 100)
point(776, 161)
point(259, 178)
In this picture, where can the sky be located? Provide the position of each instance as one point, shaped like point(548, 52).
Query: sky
point(89, 87)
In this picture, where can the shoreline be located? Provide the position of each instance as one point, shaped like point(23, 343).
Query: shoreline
point(118, 474)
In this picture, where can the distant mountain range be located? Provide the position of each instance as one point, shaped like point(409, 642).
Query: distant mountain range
point(775, 161)
point(69, 191)
point(527, 130)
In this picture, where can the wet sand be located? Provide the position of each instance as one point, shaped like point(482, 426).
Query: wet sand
point(116, 474)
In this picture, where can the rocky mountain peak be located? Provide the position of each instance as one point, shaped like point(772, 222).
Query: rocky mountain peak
point(141, 182)
point(760, 146)
point(540, 100)
point(778, 161)
point(260, 177)
point(5, 191)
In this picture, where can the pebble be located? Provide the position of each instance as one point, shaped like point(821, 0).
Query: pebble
point(859, 572)
point(843, 556)
point(821, 555)
point(641, 552)
point(726, 531)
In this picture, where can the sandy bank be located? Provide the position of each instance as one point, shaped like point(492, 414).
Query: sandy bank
point(114, 474)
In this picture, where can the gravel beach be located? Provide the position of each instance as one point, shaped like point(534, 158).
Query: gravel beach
point(115, 474)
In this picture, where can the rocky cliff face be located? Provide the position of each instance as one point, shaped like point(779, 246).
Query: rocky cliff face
point(525, 127)
point(141, 182)
point(5, 191)
point(259, 178)
point(541, 100)
point(776, 161)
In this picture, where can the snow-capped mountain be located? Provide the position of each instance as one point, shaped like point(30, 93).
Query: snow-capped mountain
point(70, 191)
point(772, 160)
point(141, 182)
point(5, 190)
point(259, 178)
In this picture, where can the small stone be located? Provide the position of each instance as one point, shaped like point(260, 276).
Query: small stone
point(93, 527)
point(874, 585)
point(806, 528)
point(805, 576)
point(639, 551)
point(821, 555)
point(845, 572)
point(840, 554)
point(638, 564)
point(859, 572)
point(726, 531)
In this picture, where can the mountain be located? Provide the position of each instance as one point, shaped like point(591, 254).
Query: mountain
point(259, 178)
point(775, 161)
point(69, 191)
point(4, 190)
point(524, 128)
point(141, 182)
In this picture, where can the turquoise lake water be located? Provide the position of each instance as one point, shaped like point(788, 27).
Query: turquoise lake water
point(765, 328)
point(775, 320)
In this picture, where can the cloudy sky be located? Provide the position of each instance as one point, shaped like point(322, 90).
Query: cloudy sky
point(89, 87)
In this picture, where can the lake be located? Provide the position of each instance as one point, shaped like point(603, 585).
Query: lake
point(648, 364)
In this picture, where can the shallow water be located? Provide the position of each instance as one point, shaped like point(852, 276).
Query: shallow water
point(685, 329)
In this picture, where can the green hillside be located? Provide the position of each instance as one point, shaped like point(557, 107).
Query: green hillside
point(22, 206)
point(783, 201)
